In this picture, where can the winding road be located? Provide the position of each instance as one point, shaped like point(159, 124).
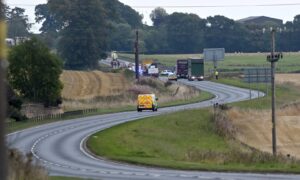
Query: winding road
point(59, 146)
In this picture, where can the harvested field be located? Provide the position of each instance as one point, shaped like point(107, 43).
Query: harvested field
point(80, 85)
point(96, 89)
point(288, 78)
point(255, 126)
point(255, 129)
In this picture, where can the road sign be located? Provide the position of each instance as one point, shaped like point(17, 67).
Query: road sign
point(257, 75)
point(214, 54)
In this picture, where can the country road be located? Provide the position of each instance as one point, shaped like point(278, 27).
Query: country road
point(59, 147)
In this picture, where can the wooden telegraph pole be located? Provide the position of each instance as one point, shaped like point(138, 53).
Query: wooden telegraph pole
point(3, 155)
point(137, 75)
point(273, 58)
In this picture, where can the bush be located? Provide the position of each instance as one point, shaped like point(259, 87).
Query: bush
point(116, 70)
point(153, 83)
point(16, 103)
point(168, 83)
point(129, 74)
point(23, 167)
point(34, 72)
point(16, 114)
point(223, 126)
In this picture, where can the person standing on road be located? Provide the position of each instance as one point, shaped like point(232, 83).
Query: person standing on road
point(217, 75)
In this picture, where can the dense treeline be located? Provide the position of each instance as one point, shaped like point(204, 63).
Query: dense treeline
point(188, 33)
point(82, 32)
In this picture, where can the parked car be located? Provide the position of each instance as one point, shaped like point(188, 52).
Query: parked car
point(166, 73)
point(172, 77)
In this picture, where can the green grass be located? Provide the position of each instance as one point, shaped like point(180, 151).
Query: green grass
point(151, 140)
point(285, 93)
point(63, 178)
point(175, 141)
point(165, 141)
point(232, 63)
point(17, 126)
point(202, 97)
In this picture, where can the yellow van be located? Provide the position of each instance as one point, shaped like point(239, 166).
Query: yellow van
point(147, 102)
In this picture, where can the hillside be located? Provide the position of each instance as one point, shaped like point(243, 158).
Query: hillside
point(96, 89)
point(80, 85)
point(255, 127)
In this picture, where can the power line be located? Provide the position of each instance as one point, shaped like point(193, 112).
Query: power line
point(196, 6)
point(221, 6)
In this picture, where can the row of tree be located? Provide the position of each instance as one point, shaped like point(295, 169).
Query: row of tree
point(82, 32)
point(188, 33)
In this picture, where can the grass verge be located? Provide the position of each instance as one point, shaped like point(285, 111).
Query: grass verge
point(63, 178)
point(285, 93)
point(17, 126)
point(175, 141)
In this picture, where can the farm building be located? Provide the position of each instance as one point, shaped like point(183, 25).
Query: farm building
point(263, 21)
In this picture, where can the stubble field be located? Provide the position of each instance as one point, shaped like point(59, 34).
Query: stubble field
point(255, 127)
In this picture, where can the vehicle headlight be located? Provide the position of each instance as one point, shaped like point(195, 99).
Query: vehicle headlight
point(201, 77)
point(193, 77)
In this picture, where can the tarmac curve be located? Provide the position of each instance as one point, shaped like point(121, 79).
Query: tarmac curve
point(59, 147)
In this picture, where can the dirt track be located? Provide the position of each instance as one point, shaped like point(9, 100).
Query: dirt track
point(255, 128)
point(88, 85)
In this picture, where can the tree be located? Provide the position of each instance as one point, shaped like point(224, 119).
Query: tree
point(156, 40)
point(50, 25)
point(127, 15)
point(225, 33)
point(34, 72)
point(85, 33)
point(18, 23)
point(49, 22)
point(158, 16)
point(121, 37)
point(185, 33)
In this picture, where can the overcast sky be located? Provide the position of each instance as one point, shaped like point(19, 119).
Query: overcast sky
point(234, 9)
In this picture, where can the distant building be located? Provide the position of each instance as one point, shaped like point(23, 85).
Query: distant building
point(262, 21)
point(10, 42)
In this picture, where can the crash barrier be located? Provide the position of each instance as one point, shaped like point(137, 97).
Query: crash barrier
point(54, 117)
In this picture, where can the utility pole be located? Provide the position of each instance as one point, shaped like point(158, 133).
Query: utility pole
point(273, 58)
point(3, 152)
point(137, 75)
point(274, 144)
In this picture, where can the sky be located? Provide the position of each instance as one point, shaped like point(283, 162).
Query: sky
point(234, 9)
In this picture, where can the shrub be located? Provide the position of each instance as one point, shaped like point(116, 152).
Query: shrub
point(129, 74)
point(23, 167)
point(153, 83)
point(223, 125)
point(34, 72)
point(168, 83)
point(16, 114)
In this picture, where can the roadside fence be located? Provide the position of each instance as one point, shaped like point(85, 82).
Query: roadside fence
point(54, 117)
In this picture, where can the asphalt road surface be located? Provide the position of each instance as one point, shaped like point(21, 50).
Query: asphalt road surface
point(59, 147)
